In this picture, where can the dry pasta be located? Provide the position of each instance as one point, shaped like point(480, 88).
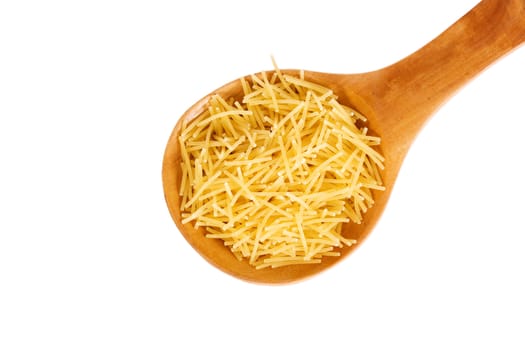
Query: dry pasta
point(277, 175)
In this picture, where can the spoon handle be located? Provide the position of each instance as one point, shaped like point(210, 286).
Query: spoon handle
point(422, 82)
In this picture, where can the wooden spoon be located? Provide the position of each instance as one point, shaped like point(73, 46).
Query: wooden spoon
point(397, 101)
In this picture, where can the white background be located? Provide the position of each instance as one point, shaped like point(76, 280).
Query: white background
point(90, 258)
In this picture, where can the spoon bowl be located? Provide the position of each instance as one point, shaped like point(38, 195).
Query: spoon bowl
point(397, 101)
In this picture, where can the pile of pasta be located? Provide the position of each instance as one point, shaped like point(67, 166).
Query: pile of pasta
point(277, 174)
